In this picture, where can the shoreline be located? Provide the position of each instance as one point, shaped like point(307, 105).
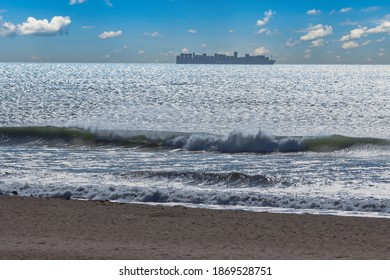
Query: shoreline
point(52, 228)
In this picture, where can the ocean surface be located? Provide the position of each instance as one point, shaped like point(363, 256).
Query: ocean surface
point(281, 138)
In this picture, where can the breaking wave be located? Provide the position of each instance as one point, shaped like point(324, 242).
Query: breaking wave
point(234, 142)
point(199, 196)
point(229, 179)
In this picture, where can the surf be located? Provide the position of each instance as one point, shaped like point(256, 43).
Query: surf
point(235, 142)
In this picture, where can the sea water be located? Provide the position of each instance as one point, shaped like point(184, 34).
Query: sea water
point(282, 138)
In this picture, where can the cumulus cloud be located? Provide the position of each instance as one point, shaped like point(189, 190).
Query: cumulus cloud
point(58, 24)
point(7, 29)
point(261, 51)
point(185, 50)
point(317, 31)
point(74, 2)
point(384, 27)
point(354, 34)
point(141, 52)
point(193, 31)
point(37, 27)
point(364, 31)
point(110, 34)
point(345, 10)
point(313, 12)
point(349, 45)
point(267, 16)
point(317, 43)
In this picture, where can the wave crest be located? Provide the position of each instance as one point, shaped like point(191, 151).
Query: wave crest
point(235, 142)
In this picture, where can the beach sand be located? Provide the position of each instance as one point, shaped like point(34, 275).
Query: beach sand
point(41, 228)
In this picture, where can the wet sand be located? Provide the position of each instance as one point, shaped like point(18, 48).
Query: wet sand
point(40, 228)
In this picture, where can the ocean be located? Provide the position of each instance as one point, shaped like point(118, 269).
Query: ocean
point(282, 138)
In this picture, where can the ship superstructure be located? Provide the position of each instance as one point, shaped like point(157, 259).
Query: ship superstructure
point(192, 58)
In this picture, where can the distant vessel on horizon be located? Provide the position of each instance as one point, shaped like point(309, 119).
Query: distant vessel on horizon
point(185, 58)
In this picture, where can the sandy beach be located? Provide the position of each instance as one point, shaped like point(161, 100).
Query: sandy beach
point(41, 228)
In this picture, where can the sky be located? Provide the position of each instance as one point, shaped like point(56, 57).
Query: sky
point(155, 31)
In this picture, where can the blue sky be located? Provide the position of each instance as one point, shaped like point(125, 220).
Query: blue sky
point(321, 31)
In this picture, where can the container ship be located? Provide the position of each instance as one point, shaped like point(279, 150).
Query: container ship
point(192, 58)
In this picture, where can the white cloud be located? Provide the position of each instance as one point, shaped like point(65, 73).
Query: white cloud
point(380, 40)
point(348, 22)
point(7, 29)
point(262, 30)
point(154, 34)
point(110, 34)
point(227, 53)
point(37, 27)
point(317, 43)
point(108, 3)
point(349, 45)
point(371, 9)
point(43, 27)
point(364, 31)
point(261, 51)
point(313, 12)
point(231, 31)
point(384, 27)
point(203, 46)
point(366, 43)
point(275, 32)
point(290, 43)
point(185, 50)
point(193, 31)
point(354, 34)
point(88, 27)
point(317, 31)
point(73, 2)
point(267, 16)
point(141, 52)
point(345, 10)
